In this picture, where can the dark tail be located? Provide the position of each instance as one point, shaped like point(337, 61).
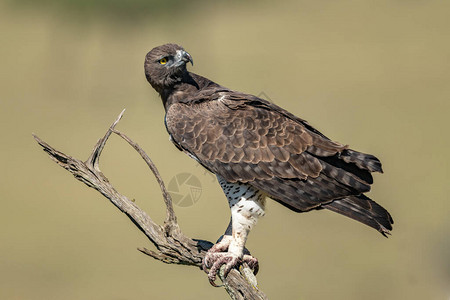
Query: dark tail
point(364, 210)
point(362, 160)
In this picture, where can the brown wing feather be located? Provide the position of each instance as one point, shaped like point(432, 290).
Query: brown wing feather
point(249, 137)
point(246, 139)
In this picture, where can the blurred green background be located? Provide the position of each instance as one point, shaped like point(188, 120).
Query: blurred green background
point(373, 74)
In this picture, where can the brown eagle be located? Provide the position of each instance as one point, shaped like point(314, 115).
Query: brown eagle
point(257, 150)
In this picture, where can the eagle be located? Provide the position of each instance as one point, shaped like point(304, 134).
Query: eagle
point(258, 150)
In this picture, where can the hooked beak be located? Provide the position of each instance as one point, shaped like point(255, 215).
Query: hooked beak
point(182, 57)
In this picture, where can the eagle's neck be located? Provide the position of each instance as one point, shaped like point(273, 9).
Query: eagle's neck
point(183, 91)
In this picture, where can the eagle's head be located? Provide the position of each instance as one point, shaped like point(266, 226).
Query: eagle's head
point(166, 65)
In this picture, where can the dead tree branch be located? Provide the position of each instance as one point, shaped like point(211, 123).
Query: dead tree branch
point(172, 246)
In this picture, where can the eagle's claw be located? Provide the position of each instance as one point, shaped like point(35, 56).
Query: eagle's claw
point(218, 256)
point(215, 260)
point(252, 262)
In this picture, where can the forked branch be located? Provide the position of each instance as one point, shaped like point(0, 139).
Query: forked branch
point(172, 246)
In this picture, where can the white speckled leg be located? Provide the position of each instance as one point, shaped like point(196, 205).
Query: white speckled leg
point(247, 205)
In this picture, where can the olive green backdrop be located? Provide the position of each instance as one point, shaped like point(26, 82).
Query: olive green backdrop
point(373, 74)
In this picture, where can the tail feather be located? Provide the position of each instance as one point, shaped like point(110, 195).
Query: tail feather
point(364, 210)
point(362, 160)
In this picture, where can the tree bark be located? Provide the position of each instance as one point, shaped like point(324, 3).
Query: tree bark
point(172, 246)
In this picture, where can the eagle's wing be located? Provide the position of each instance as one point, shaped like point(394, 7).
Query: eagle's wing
point(246, 139)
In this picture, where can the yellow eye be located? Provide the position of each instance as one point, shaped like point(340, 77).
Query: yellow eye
point(163, 61)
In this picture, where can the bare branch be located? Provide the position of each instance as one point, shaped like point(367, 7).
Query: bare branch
point(171, 218)
point(93, 160)
point(173, 247)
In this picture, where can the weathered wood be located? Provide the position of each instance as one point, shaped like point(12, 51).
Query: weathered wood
point(172, 246)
